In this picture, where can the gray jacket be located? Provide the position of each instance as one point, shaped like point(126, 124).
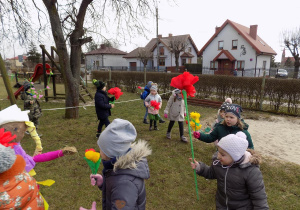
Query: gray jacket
point(124, 187)
point(240, 186)
point(175, 109)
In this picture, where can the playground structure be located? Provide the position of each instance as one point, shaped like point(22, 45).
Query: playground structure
point(47, 71)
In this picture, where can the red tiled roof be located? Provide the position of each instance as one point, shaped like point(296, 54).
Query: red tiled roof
point(187, 55)
point(227, 54)
point(106, 50)
point(260, 46)
point(134, 53)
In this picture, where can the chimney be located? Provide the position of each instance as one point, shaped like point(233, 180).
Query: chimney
point(170, 35)
point(253, 31)
point(217, 28)
point(159, 36)
point(102, 46)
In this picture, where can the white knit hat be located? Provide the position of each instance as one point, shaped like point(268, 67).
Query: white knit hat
point(8, 158)
point(13, 114)
point(234, 144)
point(117, 137)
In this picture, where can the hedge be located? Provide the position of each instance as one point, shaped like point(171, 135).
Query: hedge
point(279, 96)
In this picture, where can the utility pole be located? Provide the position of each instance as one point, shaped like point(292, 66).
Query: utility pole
point(157, 39)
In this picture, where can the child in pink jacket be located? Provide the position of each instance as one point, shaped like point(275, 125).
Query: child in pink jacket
point(153, 112)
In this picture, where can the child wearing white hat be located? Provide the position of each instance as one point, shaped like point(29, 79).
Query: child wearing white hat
point(239, 180)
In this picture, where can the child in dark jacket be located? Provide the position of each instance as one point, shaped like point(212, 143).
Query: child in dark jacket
point(102, 105)
point(239, 180)
point(231, 125)
point(125, 167)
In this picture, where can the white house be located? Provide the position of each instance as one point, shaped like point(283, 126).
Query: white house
point(166, 57)
point(234, 46)
point(105, 57)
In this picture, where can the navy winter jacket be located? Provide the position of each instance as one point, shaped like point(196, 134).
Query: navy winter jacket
point(102, 104)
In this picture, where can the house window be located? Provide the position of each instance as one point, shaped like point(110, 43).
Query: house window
point(162, 62)
point(189, 49)
point(213, 65)
point(97, 63)
point(183, 61)
point(161, 51)
point(220, 45)
point(264, 65)
point(234, 44)
point(189, 60)
point(240, 65)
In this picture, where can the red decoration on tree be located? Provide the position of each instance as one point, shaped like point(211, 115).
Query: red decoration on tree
point(185, 82)
point(116, 92)
point(155, 104)
point(6, 137)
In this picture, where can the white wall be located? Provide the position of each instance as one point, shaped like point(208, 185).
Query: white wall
point(108, 60)
point(227, 35)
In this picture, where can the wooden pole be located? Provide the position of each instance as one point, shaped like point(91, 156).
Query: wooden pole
point(7, 82)
point(262, 90)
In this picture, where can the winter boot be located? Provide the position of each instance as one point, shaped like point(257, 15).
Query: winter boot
point(145, 121)
point(168, 135)
point(161, 121)
point(155, 126)
point(183, 139)
point(150, 128)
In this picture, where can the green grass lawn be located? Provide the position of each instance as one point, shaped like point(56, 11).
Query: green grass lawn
point(171, 183)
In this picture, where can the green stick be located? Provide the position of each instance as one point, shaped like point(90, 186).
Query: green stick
point(190, 134)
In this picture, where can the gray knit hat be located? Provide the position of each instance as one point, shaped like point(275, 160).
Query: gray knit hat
point(234, 144)
point(154, 87)
point(117, 137)
point(8, 158)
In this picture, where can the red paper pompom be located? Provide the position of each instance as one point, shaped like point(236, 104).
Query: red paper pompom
point(155, 104)
point(6, 137)
point(90, 150)
point(185, 82)
point(116, 92)
point(139, 87)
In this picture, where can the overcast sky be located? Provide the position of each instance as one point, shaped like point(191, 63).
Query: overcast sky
point(199, 19)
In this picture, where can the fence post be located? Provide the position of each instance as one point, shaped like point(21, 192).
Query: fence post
point(262, 90)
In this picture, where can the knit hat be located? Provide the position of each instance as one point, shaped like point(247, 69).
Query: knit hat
point(8, 158)
point(149, 84)
point(153, 86)
point(234, 109)
point(99, 84)
point(27, 85)
point(13, 114)
point(234, 144)
point(117, 137)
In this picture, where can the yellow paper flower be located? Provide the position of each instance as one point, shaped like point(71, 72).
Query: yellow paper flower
point(195, 121)
point(92, 155)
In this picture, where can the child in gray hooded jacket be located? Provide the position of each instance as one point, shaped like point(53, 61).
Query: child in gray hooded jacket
point(239, 180)
point(125, 167)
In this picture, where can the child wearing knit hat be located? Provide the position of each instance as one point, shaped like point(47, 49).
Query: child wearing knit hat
point(18, 190)
point(125, 167)
point(230, 125)
point(239, 180)
point(102, 105)
point(152, 112)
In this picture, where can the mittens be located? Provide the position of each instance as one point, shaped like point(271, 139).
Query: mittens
point(196, 134)
point(96, 179)
point(165, 115)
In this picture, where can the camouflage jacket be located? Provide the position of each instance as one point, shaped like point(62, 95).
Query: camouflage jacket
point(34, 108)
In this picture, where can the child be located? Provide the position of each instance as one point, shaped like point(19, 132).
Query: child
point(153, 113)
point(239, 181)
point(18, 190)
point(144, 95)
point(175, 111)
point(17, 122)
point(221, 112)
point(102, 105)
point(231, 125)
point(125, 167)
point(31, 104)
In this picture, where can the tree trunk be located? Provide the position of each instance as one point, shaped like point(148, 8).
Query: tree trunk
point(7, 82)
point(70, 66)
point(177, 61)
point(296, 69)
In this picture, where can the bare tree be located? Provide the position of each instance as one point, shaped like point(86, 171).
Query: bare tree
point(72, 21)
point(144, 55)
point(292, 42)
point(177, 45)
